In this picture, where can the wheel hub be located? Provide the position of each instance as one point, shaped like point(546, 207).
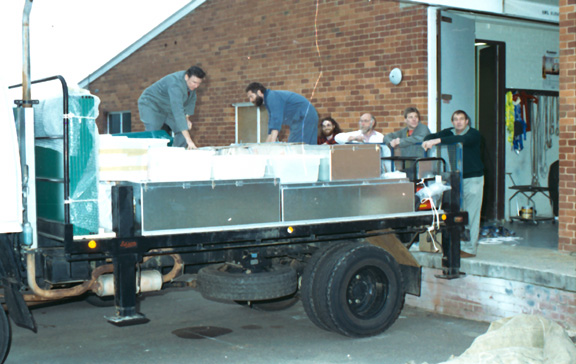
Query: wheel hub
point(367, 292)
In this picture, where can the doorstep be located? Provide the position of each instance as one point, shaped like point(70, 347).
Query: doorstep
point(538, 266)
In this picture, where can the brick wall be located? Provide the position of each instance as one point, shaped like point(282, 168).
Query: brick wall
point(567, 148)
point(489, 299)
point(273, 42)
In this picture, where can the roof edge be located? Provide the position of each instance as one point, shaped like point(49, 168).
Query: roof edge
point(187, 9)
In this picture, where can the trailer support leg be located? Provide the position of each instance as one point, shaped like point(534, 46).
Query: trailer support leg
point(125, 291)
point(451, 236)
point(124, 262)
point(451, 257)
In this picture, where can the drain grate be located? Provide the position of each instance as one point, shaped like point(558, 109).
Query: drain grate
point(201, 332)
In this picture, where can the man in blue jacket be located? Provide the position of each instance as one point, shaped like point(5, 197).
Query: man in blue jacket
point(286, 108)
point(171, 101)
point(473, 172)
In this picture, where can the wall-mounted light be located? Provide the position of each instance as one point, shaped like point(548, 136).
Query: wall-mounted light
point(396, 76)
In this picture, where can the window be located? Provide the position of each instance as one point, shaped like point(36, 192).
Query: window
point(119, 122)
point(251, 123)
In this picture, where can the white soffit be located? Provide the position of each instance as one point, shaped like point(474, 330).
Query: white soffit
point(539, 10)
point(490, 6)
point(187, 9)
point(543, 10)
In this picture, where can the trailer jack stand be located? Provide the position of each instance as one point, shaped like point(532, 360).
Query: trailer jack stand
point(127, 320)
point(450, 273)
point(125, 291)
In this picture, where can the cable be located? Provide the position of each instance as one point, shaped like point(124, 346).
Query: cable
point(435, 214)
point(317, 49)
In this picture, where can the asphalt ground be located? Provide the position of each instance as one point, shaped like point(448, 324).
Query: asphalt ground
point(186, 328)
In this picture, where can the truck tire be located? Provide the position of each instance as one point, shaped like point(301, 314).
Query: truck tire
point(221, 282)
point(358, 290)
point(5, 335)
point(307, 288)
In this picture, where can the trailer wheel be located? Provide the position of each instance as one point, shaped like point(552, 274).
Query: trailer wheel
point(5, 335)
point(359, 290)
point(223, 282)
point(307, 288)
point(276, 304)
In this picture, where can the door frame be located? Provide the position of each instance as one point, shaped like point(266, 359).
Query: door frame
point(500, 181)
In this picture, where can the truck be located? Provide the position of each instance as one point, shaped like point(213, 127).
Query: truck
point(338, 242)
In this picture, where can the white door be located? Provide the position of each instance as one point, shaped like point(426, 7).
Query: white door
point(457, 37)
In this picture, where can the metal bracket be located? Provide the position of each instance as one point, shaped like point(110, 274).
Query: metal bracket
point(20, 103)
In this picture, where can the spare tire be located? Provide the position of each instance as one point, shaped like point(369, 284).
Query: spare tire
point(223, 282)
point(276, 304)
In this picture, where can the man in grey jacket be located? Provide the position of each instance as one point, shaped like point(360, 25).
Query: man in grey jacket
point(171, 101)
point(406, 141)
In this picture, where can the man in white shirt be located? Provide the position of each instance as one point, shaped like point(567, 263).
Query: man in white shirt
point(367, 134)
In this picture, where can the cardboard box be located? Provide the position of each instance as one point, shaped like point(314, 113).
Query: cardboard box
point(350, 161)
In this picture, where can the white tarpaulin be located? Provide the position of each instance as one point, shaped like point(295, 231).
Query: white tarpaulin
point(523, 339)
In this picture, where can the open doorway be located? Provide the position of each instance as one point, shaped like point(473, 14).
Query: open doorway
point(490, 115)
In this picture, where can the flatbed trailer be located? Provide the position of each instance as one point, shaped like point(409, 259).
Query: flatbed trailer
point(256, 250)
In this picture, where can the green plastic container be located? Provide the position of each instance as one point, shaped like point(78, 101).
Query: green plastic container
point(83, 169)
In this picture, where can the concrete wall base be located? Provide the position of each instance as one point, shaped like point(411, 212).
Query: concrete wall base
point(489, 299)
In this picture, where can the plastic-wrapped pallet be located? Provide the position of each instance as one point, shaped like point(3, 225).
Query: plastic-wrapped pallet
point(125, 159)
point(178, 164)
point(225, 167)
point(295, 168)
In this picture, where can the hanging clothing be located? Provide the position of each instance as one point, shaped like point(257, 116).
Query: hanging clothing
point(519, 127)
point(521, 101)
point(524, 98)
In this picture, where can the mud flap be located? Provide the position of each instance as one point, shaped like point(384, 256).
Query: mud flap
point(11, 282)
point(411, 269)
